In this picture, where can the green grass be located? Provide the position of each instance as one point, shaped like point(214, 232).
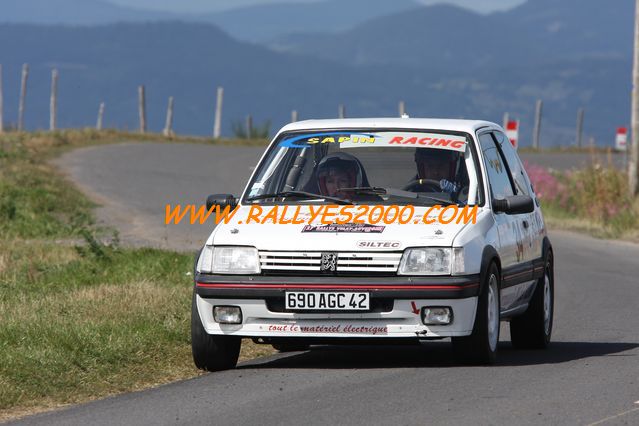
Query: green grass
point(80, 318)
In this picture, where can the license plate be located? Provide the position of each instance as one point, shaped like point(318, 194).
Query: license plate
point(327, 301)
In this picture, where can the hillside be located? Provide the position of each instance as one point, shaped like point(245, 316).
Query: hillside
point(74, 12)
point(443, 78)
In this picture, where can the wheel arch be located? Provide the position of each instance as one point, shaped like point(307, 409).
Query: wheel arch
point(488, 256)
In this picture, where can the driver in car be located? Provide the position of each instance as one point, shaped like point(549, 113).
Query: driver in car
point(436, 170)
point(340, 170)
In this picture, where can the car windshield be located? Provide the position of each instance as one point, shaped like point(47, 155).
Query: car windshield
point(367, 167)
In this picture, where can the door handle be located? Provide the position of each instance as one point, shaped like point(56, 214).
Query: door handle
point(525, 223)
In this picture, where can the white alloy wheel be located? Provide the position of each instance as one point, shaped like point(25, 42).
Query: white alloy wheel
point(547, 302)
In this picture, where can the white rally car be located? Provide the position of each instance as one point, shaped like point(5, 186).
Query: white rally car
point(301, 282)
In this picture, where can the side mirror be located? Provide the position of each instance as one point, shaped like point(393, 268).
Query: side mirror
point(517, 204)
point(221, 200)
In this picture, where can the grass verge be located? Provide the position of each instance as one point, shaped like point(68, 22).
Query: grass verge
point(80, 318)
point(594, 200)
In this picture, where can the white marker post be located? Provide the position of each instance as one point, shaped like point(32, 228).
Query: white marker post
point(512, 132)
point(622, 139)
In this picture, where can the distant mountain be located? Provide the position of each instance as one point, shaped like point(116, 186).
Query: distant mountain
point(447, 36)
point(73, 12)
point(258, 23)
point(265, 22)
point(466, 65)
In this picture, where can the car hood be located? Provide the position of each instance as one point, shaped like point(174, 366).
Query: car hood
point(316, 236)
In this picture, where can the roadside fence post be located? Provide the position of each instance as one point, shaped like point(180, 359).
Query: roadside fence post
point(23, 95)
point(1, 104)
point(142, 108)
point(249, 126)
point(168, 125)
point(217, 127)
point(580, 126)
point(537, 128)
point(98, 125)
point(53, 105)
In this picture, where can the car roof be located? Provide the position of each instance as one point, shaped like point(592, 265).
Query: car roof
point(468, 126)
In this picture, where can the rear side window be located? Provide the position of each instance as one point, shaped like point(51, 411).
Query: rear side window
point(514, 164)
point(498, 179)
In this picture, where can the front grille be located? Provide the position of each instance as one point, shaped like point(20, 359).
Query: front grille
point(347, 262)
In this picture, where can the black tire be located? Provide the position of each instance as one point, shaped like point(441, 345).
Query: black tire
point(212, 353)
point(480, 348)
point(533, 329)
point(290, 347)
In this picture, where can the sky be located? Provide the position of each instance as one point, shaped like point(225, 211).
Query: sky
point(195, 6)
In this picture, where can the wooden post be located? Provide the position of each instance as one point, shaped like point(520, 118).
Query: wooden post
point(580, 126)
point(293, 116)
point(633, 158)
point(98, 125)
point(249, 126)
point(537, 129)
point(341, 111)
point(53, 104)
point(217, 127)
point(142, 108)
point(23, 95)
point(1, 104)
point(402, 108)
point(168, 125)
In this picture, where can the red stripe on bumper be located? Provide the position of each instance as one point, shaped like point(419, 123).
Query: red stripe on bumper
point(342, 287)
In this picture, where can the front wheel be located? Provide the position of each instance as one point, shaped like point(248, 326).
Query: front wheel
point(533, 329)
point(210, 352)
point(481, 346)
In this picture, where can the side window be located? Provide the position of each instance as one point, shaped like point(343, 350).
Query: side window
point(498, 179)
point(514, 164)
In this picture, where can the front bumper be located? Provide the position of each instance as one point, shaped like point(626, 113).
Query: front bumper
point(399, 299)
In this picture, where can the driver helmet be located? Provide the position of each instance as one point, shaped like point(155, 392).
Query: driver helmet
point(342, 167)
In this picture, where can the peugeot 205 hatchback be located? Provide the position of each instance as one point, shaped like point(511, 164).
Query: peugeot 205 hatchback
point(281, 273)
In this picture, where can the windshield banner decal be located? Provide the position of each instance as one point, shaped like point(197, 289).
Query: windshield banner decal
point(382, 139)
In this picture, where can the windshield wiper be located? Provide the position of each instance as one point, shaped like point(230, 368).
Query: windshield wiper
point(299, 194)
point(394, 192)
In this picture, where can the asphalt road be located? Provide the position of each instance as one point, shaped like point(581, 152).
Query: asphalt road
point(589, 374)
point(134, 182)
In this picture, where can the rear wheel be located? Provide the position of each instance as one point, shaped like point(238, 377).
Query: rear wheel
point(533, 329)
point(481, 346)
point(210, 352)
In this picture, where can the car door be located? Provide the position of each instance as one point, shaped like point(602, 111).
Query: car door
point(509, 227)
point(531, 242)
